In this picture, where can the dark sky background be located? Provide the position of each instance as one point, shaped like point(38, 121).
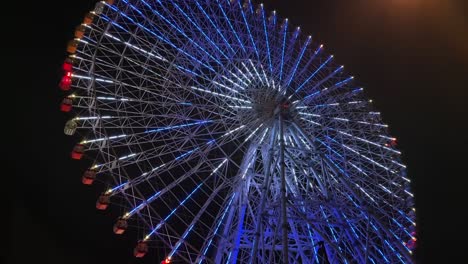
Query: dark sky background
point(411, 56)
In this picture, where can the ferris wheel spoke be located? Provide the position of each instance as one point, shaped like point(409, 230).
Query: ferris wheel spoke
point(165, 40)
point(343, 170)
point(142, 205)
point(214, 233)
point(160, 193)
point(184, 34)
point(371, 214)
point(172, 98)
point(167, 166)
point(195, 220)
point(145, 137)
point(147, 156)
point(360, 170)
point(133, 183)
point(303, 73)
point(151, 92)
point(192, 20)
point(267, 41)
point(380, 147)
point(228, 21)
point(284, 26)
point(248, 28)
point(313, 74)
point(208, 39)
point(322, 81)
point(289, 47)
point(293, 72)
point(157, 227)
point(85, 101)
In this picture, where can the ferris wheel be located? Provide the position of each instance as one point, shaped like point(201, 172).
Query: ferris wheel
point(222, 134)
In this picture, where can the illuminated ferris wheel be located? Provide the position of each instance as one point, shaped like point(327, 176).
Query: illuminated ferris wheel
point(222, 134)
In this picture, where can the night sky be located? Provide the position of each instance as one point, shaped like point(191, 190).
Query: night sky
point(411, 56)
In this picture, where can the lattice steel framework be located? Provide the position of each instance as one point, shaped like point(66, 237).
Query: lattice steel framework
point(226, 136)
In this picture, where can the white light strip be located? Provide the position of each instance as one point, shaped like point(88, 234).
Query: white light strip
point(360, 188)
point(102, 139)
point(385, 189)
point(245, 77)
point(266, 79)
point(341, 119)
point(137, 48)
point(89, 78)
point(93, 117)
point(128, 156)
point(389, 138)
point(406, 179)
point(367, 141)
point(357, 168)
point(121, 158)
point(232, 131)
point(255, 69)
point(369, 159)
point(251, 134)
point(83, 41)
point(309, 114)
point(263, 136)
point(113, 99)
point(221, 95)
point(310, 121)
point(303, 141)
point(367, 123)
point(399, 164)
point(219, 166)
point(239, 106)
point(224, 86)
point(247, 69)
point(234, 83)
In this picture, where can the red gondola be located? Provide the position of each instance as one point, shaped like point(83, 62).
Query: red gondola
point(141, 249)
point(77, 152)
point(120, 226)
point(65, 83)
point(66, 105)
point(88, 177)
point(68, 65)
point(103, 202)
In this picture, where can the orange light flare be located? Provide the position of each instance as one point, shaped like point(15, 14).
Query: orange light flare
point(444, 18)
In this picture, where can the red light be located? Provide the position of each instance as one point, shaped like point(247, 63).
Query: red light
point(65, 107)
point(67, 67)
point(65, 83)
point(69, 74)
